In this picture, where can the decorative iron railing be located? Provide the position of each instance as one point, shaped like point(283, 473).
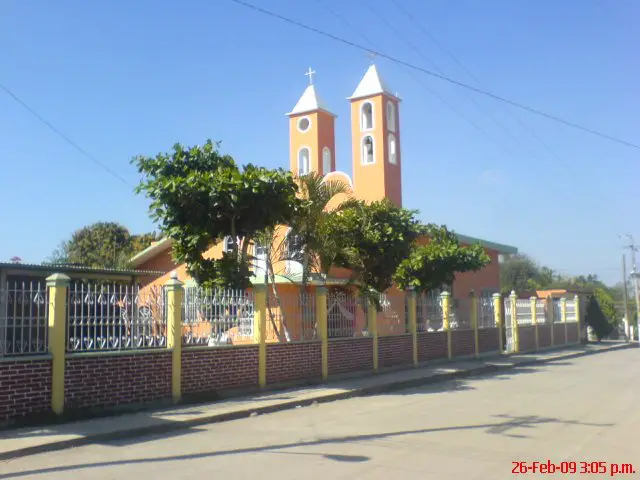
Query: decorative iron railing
point(24, 309)
point(486, 312)
point(571, 310)
point(557, 310)
point(214, 317)
point(429, 312)
point(291, 315)
point(460, 314)
point(392, 320)
point(115, 317)
point(523, 312)
point(343, 311)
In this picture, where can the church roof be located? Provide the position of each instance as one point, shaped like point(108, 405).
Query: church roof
point(371, 84)
point(309, 101)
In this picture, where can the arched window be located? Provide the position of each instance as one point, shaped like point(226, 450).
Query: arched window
point(294, 246)
point(391, 116)
point(228, 244)
point(367, 150)
point(326, 160)
point(260, 261)
point(303, 161)
point(366, 122)
point(393, 157)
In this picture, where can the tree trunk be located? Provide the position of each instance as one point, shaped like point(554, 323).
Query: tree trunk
point(285, 336)
point(271, 278)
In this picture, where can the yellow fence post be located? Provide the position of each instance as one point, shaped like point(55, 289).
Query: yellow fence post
point(534, 320)
point(515, 334)
point(323, 331)
point(577, 300)
point(372, 321)
point(260, 330)
point(58, 285)
point(175, 297)
point(474, 321)
point(446, 313)
point(551, 315)
point(563, 314)
point(413, 328)
point(497, 315)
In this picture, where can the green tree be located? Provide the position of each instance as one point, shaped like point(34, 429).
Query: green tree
point(519, 273)
point(140, 242)
point(59, 254)
point(314, 249)
point(602, 294)
point(434, 265)
point(374, 239)
point(101, 245)
point(596, 317)
point(318, 250)
point(199, 196)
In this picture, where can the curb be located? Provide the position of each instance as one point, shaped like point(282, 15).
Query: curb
point(288, 405)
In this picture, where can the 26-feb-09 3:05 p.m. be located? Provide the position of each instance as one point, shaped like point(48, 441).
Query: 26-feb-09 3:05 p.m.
point(572, 468)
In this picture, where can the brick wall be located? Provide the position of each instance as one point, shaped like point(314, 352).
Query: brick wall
point(395, 350)
point(544, 336)
point(432, 345)
point(123, 378)
point(211, 369)
point(25, 388)
point(293, 361)
point(572, 332)
point(350, 355)
point(527, 338)
point(488, 340)
point(558, 334)
point(462, 343)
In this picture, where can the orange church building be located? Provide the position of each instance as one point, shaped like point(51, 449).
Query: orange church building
point(377, 174)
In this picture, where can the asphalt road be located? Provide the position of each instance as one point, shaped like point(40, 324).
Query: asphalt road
point(580, 410)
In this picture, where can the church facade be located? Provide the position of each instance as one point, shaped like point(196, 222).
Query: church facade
point(376, 174)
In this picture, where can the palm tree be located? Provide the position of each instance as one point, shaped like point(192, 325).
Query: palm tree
point(318, 251)
point(314, 250)
point(273, 248)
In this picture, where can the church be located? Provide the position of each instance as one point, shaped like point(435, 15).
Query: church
point(377, 174)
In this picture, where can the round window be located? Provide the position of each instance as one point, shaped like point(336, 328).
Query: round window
point(303, 124)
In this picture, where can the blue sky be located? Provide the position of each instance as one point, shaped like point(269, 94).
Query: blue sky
point(126, 78)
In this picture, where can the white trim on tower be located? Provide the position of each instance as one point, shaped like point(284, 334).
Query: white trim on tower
point(304, 147)
point(373, 150)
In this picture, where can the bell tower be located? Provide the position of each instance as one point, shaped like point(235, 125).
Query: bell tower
point(311, 134)
point(375, 130)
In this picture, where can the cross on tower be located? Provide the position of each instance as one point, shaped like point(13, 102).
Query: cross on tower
point(372, 56)
point(310, 75)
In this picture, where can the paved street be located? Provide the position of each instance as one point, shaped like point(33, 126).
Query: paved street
point(583, 409)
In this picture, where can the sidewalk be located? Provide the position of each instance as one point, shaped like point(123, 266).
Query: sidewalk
point(28, 441)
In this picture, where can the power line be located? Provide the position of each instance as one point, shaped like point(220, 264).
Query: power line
point(418, 79)
point(421, 81)
point(400, 35)
point(63, 136)
point(436, 75)
point(468, 72)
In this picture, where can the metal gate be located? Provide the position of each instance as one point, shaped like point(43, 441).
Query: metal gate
point(341, 313)
point(508, 326)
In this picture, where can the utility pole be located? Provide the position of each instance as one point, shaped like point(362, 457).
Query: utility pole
point(625, 296)
point(634, 275)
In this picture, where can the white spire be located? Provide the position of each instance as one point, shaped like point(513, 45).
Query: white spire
point(371, 84)
point(309, 102)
